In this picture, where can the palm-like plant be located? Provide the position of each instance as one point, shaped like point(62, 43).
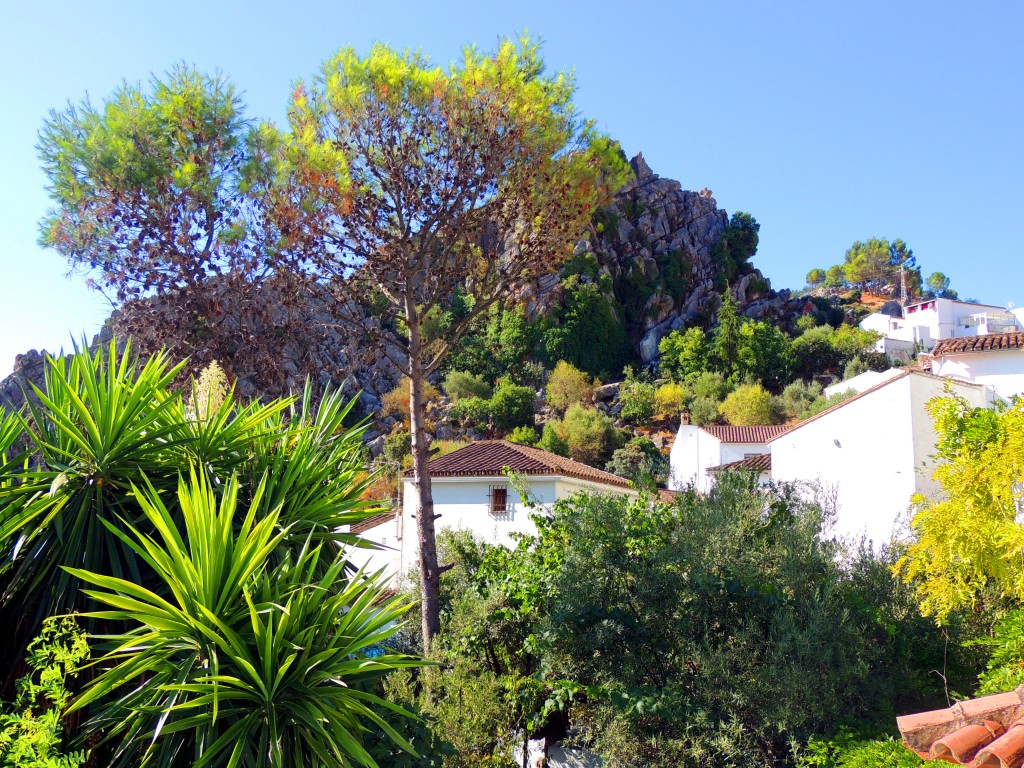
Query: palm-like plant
point(104, 424)
point(244, 663)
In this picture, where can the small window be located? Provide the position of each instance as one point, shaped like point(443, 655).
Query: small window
point(498, 506)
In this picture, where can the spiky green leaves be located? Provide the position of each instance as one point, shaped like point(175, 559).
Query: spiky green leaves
point(231, 660)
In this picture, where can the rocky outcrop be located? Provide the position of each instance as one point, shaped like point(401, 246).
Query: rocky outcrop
point(655, 244)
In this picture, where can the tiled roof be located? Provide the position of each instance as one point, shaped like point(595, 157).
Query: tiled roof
point(488, 458)
point(760, 463)
point(731, 434)
point(983, 343)
point(982, 733)
point(665, 496)
point(371, 522)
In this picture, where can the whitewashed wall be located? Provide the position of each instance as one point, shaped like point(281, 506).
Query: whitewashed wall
point(463, 503)
point(874, 453)
point(695, 451)
point(1001, 369)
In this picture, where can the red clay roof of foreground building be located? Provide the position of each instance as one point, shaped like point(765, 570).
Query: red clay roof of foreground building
point(980, 733)
point(729, 434)
point(983, 343)
point(760, 463)
point(489, 458)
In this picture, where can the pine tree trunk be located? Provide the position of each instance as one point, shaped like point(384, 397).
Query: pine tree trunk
point(429, 571)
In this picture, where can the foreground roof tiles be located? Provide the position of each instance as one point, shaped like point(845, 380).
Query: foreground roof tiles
point(983, 343)
point(729, 434)
point(981, 733)
point(489, 458)
point(760, 463)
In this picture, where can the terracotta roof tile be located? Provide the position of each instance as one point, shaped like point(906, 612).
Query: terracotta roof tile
point(488, 458)
point(371, 522)
point(988, 731)
point(730, 434)
point(760, 463)
point(983, 343)
point(665, 496)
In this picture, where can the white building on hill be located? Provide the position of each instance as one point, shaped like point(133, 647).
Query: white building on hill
point(925, 323)
point(995, 359)
point(873, 451)
point(472, 492)
point(699, 449)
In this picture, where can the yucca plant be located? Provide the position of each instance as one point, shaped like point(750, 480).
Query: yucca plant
point(104, 423)
point(244, 662)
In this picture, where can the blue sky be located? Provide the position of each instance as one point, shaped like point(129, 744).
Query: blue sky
point(829, 122)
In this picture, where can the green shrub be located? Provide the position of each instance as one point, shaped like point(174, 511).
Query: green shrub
point(586, 331)
point(461, 385)
point(636, 396)
point(711, 385)
point(750, 405)
point(591, 436)
point(32, 728)
point(684, 353)
point(703, 410)
point(641, 462)
point(397, 448)
point(568, 385)
point(471, 412)
point(523, 435)
point(669, 400)
point(512, 405)
point(799, 397)
point(553, 440)
point(847, 751)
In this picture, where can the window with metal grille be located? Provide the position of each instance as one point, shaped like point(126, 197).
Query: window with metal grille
point(498, 506)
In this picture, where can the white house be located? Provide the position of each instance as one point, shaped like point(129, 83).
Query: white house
point(995, 359)
point(697, 449)
point(873, 451)
point(472, 492)
point(927, 322)
point(761, 464)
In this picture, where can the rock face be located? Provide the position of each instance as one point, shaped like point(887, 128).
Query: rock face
point(655, 244)
point(651, 251)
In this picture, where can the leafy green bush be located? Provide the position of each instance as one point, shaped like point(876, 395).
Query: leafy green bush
point(461, 385)
point(512, 405)
point(764, 354)
point(397, 448)
point(586, 332)
point(523, 435)
point(471, 412)
point(847, 751)
point(711, 385)
point(568, 385)
point(32, 728)
point(748, 596)
point(552, 440)
point(684, 353)
point(799, 398)
point(641, 462)
point(590, 435)
point(750, 405)
point(669, 400)
point(636, 396)
point(703, 410)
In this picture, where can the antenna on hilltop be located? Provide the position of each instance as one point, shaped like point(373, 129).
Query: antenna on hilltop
point(903, 285)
